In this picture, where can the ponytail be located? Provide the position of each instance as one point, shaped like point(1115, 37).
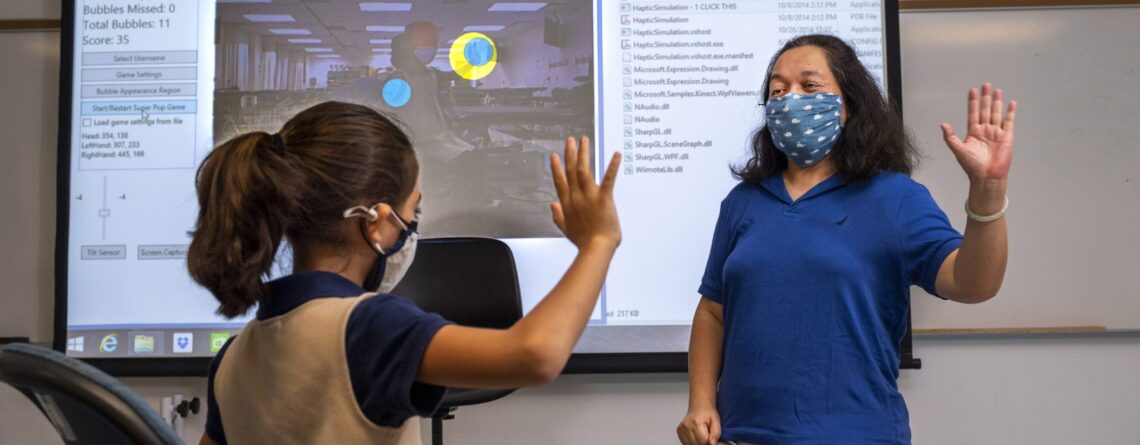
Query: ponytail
point(246, 199)
point(257, 189)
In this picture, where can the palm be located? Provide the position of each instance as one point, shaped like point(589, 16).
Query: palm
point(986, 152)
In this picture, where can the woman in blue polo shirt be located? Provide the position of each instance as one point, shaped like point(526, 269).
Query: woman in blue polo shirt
point(805, 294)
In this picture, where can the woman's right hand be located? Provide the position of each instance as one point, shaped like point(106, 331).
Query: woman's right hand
point(585, 211)
point(701, 426)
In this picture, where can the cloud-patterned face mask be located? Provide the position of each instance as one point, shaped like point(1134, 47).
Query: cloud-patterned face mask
point(805, 126)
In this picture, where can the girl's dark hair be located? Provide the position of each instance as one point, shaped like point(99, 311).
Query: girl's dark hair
point(873, 139)
point(254, 192)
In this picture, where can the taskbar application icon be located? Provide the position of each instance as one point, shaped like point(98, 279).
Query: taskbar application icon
point(109, 344)
point(146, 342)
point(182, 343)
point(217, 340)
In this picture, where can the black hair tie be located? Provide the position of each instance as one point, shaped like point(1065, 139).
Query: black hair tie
point(278, 144)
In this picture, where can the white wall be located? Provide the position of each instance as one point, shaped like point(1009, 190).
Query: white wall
point(27, 181)
point(1074, 138)
point(1000, 390)
point(27, 203)
point(30, 9)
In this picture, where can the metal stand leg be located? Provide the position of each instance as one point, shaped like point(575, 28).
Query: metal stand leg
point(444, 413)
point(437, 429)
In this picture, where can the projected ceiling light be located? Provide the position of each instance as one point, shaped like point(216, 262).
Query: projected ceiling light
point(328, 56)
point(483, 28)
point(384, 28)
point(291, 32)
point(270, 18)
point(304, 40)
point(385, 7)
point(516, 7)
point(380, 41)
point(382, 50)
point(318, 50)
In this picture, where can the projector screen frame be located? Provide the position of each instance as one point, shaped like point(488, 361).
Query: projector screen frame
point(579, 363)
point(63, 172)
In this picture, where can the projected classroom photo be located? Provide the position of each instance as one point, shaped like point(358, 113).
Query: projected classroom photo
point(486, 91)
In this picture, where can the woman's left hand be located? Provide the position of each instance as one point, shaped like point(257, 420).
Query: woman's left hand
point(986, 153)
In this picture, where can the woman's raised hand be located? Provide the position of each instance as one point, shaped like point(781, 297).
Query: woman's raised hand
point(986, 152)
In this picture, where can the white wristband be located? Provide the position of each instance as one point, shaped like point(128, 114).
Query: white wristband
point(988, 218)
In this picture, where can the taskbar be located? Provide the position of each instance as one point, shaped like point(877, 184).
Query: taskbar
point(148, 341)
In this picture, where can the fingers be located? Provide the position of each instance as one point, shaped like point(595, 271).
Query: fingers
point(951, 139)
point(986, 105)
point(684, 433)
point(611, 174)
point(557, 216)
point(995, 112)
point(692, 431)
point(1010, 117)
point(714, 432)
point(558, 172)
point(688, 438)
point(702, 433)
point(972, 108)
point(585, 179)
point(1006, 152)
point(571, 164)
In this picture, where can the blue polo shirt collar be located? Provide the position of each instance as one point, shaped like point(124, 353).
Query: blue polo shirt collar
point(288, 292)
point(775, 186)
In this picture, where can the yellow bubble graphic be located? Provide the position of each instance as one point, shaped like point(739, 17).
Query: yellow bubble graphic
point(473, 56)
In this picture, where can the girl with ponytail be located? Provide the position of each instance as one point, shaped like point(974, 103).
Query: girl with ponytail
point(330, 356)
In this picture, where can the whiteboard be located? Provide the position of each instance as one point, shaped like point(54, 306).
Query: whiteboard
point(1074, 189)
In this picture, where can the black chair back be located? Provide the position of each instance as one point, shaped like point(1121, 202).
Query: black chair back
point(470, 281)
point(85, 405)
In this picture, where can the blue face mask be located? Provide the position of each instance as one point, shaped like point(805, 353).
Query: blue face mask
point(805, 126)
point(425, 56)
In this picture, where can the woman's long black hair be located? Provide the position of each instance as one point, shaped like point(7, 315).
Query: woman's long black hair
point(873, 139)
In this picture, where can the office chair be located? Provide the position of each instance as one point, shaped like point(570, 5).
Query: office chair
point(84, 405)
point(472, 282)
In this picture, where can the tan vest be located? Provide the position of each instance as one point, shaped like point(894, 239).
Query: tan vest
point(285, 381)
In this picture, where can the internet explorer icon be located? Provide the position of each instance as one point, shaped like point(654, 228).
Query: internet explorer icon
point(109, 343)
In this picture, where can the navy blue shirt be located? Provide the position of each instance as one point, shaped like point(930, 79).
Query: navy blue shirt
point(815, 295)
point(385, 340)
